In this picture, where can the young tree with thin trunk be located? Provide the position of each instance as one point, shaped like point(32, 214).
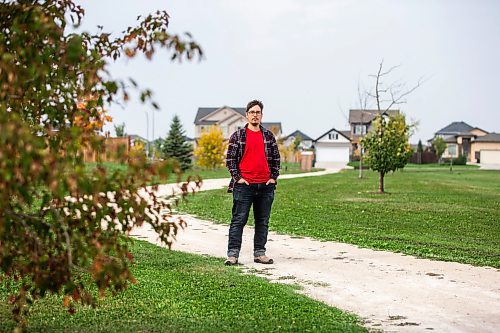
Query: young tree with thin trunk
point(387, 144)
point(363, 103)
point(439, 147)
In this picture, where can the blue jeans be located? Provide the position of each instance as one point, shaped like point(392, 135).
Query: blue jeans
point(261, 196)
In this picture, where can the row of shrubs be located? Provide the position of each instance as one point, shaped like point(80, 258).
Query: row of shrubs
point(460, 160)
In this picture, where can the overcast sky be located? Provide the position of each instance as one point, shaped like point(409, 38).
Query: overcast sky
point(304, 59)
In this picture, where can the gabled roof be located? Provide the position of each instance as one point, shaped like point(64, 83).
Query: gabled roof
point(490, 137)
point(455, 128)
point(203, 112)
point(134, 137)
point(333, 129)
point(356, 115)
point(301, 134)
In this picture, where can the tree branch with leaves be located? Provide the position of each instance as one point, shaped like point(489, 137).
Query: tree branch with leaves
point(59, 223)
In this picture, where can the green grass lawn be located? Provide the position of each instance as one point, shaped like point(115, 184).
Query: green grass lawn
point(110, 166)
point(442, 166)
point(429, 213)
point(178, 292)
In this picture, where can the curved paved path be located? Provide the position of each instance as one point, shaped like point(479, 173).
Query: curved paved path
point(389, 291)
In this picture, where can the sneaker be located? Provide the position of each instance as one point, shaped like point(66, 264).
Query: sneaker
point(263, 260)
point(231, 261)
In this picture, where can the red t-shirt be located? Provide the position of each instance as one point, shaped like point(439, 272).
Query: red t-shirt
point(253, 166)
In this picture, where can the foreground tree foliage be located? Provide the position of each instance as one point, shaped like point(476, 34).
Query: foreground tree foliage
point(60, 225)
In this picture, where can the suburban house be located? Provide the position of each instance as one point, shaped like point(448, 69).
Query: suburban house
point(332, 147)
point(486, 149)
point(337, 146)
point(134, 139)
point(460, 138)
point(360, 122)
point(229, 119)
point(306, 141)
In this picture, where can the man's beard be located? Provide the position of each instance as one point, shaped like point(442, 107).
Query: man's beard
point(255, 122)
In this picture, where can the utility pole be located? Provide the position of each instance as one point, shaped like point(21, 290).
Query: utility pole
point(153, 140)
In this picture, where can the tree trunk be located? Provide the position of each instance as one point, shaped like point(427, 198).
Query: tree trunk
point(360, 163)
point(381, 182)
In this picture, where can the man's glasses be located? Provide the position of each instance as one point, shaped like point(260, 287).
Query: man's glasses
point(255, 113)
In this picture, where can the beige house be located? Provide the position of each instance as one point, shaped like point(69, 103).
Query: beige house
point(228, 119)
point(461, 139)
point(486, 149)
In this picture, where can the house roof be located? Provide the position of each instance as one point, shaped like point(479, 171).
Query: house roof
point(455, 128)
point(301, 134)
point(450, 139)
point(490, 137)
point(346, 133)
point(203, 112)
point(206, 122)
point(356, 115)
point(480, 129)
point(135, 137)
point(333, 129)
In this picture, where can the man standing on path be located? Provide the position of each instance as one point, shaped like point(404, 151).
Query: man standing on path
point(253, 160)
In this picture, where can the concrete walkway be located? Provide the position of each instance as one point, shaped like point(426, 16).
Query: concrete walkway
point(389, 291)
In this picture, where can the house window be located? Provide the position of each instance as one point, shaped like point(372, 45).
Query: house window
point(224, 129)
point(452, 149)
point(360, 129)
point(333, 136)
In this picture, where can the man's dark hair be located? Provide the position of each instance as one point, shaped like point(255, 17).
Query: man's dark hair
point(253, 103)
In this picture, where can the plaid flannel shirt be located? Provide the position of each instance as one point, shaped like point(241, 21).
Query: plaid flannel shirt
point(236, 148)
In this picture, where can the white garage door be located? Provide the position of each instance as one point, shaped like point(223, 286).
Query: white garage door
point(332, 154)
point(490, 157)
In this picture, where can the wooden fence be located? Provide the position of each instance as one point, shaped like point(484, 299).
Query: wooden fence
point(113, 150)
point(423, 158)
